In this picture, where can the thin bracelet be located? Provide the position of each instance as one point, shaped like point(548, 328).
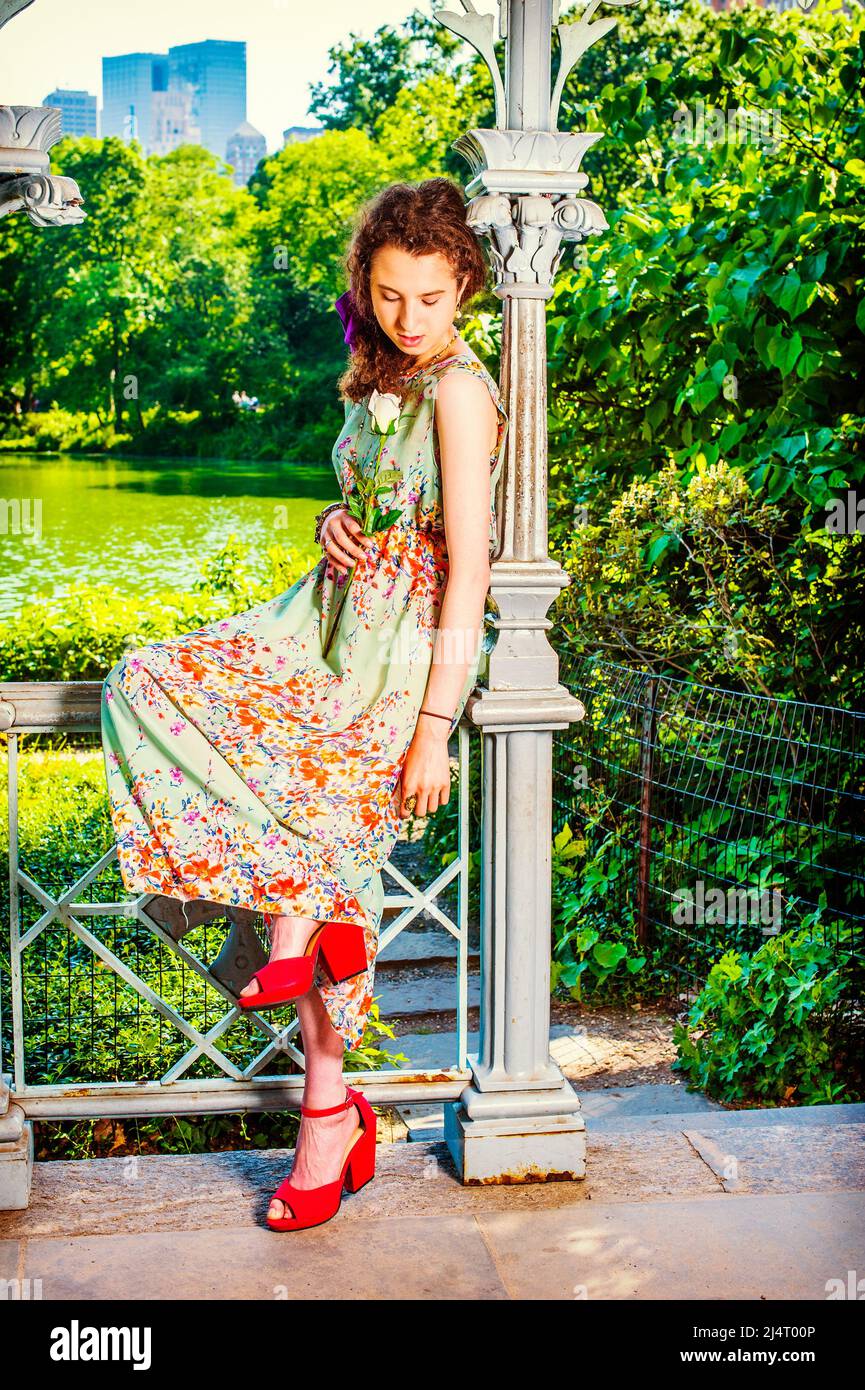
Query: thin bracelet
point(321, 518)
point(448, 717)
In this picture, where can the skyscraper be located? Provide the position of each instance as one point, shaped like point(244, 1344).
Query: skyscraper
point(128, 83)
point(244, 152)
point(195, 94)
point(77, 111)
point(297, 133)
point(173, 124)
point(214, 74)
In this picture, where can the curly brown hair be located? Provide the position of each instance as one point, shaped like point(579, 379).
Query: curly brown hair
point(421, 219)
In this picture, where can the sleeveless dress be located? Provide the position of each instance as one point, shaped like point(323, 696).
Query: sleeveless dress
point(246, 768)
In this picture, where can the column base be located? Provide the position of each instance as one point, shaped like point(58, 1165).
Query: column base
point(16, 1152)
point(534, 1147)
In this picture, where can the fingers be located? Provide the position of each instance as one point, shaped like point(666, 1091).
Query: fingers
point(352, 538)
point(428, 801)
point(345, 542)
point(338, 557)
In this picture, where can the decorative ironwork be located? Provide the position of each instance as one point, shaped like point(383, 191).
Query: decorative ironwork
point(9, 9)
point(26, 135)
point(477, 29)
point(575, 38)
point(756, 799)
point(526, 182)
point(40, 708)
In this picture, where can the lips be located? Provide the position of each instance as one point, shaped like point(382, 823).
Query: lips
point(412, 342)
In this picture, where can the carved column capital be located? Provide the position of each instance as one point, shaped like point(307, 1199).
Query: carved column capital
point(49, 200)
point(524, 194)
point(27, 133)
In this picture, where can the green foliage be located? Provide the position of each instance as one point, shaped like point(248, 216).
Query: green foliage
point(594, 951)
point(133, 330)
point(79, 634)
point(62, 431)
point(594, 948)
point(418, 131)
point(369, 74)
point(706, 384)
point(412, 90)
point(314, 187)
point(761, 1029)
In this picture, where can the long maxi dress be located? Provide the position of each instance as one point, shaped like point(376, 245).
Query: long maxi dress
point(244, 767)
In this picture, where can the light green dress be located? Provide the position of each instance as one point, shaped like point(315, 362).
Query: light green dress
point(246, 768)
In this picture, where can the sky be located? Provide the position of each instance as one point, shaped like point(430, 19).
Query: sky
point(60, 43)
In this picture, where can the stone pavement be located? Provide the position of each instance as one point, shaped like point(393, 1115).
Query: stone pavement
point(681, 1200)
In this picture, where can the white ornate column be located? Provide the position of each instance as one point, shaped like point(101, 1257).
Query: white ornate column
point(26, 135)
point(519, 1118)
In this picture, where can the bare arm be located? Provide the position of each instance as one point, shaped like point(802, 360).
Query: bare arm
point(466, 419)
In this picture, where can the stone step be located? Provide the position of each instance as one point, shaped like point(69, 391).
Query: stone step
point(416, 945)
point(424, 993)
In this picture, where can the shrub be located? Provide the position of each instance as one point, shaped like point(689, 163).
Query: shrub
point(760, 1030)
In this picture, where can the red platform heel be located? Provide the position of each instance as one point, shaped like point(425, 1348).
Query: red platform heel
point(312, 1206)
point(343, 952)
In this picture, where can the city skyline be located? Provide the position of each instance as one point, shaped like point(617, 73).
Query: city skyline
point(48, 47)
point(193, 94)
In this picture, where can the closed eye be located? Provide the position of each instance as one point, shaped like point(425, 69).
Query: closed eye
point(389, 299)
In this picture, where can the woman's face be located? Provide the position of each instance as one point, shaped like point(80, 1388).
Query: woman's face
point(414, 299)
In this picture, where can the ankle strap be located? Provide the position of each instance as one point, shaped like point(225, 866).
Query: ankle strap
point(331, 1109)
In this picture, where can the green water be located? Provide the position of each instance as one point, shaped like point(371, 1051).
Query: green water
point(140, 525)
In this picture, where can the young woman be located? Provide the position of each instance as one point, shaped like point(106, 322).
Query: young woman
point(251, 763)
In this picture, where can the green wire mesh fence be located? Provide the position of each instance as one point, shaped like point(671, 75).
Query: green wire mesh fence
point(717, 818)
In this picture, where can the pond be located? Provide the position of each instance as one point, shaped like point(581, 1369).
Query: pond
point(141, 525)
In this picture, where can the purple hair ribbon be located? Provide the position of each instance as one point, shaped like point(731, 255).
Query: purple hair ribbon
point(345, 307)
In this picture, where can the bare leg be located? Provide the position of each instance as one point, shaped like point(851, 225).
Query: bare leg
point(288, 936)
point(322, 1138)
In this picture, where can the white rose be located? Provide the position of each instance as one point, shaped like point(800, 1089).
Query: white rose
point(384, 409)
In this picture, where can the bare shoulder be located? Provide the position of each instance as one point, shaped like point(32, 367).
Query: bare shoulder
point(458, 391)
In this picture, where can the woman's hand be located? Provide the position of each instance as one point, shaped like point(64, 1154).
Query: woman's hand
point(426, 771)
point(343, 540)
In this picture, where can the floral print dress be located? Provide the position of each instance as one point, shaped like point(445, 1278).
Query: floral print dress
point(246, 768)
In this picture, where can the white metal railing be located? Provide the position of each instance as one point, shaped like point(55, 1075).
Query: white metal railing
point(74, 707)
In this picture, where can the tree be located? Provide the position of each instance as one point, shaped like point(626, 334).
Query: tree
point(369, 74)
point(196, 226)
point(92, 282)
point(707, 392)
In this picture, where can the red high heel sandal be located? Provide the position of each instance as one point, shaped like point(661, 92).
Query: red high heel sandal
point(312, 1206)
point(342, 950)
